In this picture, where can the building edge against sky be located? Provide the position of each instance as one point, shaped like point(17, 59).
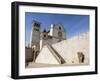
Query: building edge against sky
point(73, 24)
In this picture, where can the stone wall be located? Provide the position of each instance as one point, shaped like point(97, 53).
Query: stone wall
point(28, 55)
point(69, 48)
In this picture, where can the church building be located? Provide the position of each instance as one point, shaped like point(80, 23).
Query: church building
point(54, 35)
point(51, 47)
point(40, 38)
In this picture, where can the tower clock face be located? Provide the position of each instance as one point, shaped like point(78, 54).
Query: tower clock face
point(60, 34)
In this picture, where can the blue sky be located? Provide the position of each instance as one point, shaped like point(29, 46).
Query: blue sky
point(73, 24)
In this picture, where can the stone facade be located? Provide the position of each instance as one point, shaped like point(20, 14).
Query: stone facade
point(39, 38)
point(54, 35)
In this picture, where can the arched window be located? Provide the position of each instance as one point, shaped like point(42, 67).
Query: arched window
point(44, 35)
point(37, 24)
point(59, 28)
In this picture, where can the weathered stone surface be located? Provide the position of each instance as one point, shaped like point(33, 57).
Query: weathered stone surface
point(28, 55)
point(68, 50)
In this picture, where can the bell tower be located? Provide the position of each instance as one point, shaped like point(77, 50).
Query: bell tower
point(35, 35)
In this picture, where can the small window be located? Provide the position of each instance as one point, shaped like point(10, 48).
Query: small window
point(59, 28)
point(36, 29)
point(37, 24)
point(44, 35)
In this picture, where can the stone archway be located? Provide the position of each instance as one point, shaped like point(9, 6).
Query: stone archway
point(81, 57)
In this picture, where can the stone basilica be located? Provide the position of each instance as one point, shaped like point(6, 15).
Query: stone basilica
point(54, 35)
point(39, 39)
point(51, 47)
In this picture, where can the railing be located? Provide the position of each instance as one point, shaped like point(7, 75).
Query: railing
point(56, 55)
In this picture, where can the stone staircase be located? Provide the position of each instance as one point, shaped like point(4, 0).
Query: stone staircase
point(58, 57)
